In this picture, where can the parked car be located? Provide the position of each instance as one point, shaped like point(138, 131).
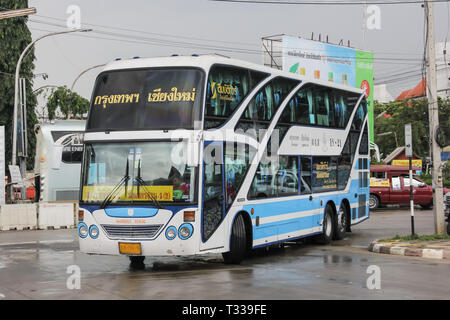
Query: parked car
point(393, 187)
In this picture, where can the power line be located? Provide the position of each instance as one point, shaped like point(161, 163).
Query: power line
point(194, 45)
point(332, 3)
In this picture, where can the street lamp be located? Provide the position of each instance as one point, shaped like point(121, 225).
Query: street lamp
point(16, 95)
point(387, 133)
point(16, 85)
point(83, 72)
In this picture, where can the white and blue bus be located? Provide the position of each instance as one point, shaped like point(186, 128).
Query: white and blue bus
point(188, 155)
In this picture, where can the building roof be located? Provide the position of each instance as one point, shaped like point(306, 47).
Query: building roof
point(394, 154)
point(417, 92)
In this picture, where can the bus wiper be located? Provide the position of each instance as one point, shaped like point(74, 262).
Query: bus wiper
point(112, 193)
point(142, 183)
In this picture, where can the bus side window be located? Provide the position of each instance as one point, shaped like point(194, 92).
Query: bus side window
point(344, 165)
point(364, 145)
point(287, 176)
point(305, 175)
point(237, 161)
point(264, 105)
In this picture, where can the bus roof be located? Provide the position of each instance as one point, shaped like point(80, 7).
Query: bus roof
point(62, 125)
point(206, 61)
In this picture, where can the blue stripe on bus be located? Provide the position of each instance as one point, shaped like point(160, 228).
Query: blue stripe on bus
point(285, 226)
point(268, 209)
point(137, 212)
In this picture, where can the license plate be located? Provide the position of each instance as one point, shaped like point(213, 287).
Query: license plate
point(130, 248)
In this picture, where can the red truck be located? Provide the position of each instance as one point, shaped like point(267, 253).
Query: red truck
point(390, 185)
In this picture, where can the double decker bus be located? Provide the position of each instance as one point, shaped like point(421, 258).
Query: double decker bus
point(189, 155)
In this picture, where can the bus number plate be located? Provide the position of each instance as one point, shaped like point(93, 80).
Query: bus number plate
point(130, 248)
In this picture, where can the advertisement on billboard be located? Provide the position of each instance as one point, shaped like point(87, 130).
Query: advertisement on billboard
point(332, 63)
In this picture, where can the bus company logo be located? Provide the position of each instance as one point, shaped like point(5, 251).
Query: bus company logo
point(226, 91)
point(365, 86)
point(174, 95)
point(116, 99)
point(131, 212)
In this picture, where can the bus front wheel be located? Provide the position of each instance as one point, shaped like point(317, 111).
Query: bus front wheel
point(238, 242)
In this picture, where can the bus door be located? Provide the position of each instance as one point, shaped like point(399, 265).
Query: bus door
point(213, 206)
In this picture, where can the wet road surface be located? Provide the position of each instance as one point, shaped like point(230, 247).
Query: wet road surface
point(34, 264)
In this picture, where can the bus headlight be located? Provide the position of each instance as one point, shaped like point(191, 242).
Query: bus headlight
point(171, 232)
point(82, 230)
point(185, 231)
point(93, 231)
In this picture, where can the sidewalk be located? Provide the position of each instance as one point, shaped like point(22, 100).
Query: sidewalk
point(436, 249)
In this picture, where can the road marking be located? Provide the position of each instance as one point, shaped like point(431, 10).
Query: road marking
point(2, 296)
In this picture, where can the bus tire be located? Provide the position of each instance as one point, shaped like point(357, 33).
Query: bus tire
point(341, 223)
point(374, 202)
point(238, 242)
point(328, 226)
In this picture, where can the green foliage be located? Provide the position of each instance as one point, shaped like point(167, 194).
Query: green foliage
point(14, 37)
point(416, 237)
point(68, 102)
point(403, 112)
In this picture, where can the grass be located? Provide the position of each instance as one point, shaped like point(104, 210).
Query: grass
point(416, 237)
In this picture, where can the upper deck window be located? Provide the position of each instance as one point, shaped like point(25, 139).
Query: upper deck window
point(146, 99)
point(227, 87)
point(320, 106)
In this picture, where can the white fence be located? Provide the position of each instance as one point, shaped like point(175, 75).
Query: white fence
point(18, 216)
point(57, 215)
point(38, 216)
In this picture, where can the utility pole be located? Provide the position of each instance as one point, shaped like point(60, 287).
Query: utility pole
point(433, 111)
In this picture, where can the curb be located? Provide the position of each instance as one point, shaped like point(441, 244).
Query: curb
point(410, 251)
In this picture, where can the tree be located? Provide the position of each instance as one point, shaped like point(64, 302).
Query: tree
point(68, 103)
point(398, 113)
point(14, 37)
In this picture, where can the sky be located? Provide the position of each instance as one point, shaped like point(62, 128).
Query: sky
point(152, 28)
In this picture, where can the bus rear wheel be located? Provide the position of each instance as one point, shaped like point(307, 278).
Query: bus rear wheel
point(341, 222)
point(328, 227)
point(238, 242)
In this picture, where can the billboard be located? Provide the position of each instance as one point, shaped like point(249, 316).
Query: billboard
point(332, 63)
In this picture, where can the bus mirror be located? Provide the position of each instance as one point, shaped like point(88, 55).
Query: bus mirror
point(57, 156)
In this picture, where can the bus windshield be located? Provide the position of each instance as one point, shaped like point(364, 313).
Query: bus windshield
point(146, 99)
point(155, 170)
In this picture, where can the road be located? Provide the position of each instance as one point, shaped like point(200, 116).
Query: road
point(34, 265)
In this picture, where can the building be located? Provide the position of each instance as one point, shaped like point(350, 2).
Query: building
point(442, 76)
point(398, 158)
point(381, 94)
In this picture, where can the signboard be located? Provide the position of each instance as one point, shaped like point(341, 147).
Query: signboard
point(14, 171)
point(405, 163)
point(160, 193)
point(379, 182)
point(408, 141)
point(2, 164)
point(332, 63)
